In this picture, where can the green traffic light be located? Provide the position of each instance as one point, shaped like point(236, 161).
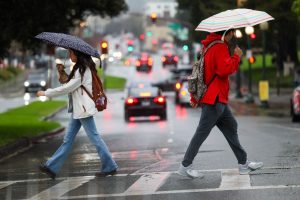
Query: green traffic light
point(149, 34)
point(185, 47)
point(130, 48)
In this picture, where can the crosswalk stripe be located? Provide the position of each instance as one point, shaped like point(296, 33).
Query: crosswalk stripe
point(147, 184)
point(232, 179)
point(183, 191)
point(61, 188)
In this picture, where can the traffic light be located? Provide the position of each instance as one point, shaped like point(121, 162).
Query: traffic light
point(130, 45)
point(153, 17)
point(251, 60)
point(104, 47)
point(142, 36)
point(185, 47)
point(149, 33)
point(253, 36)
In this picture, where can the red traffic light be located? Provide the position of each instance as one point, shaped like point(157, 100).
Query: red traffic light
point(142, 36)
point(251, 60)
point(253, 36)
point(104, 47)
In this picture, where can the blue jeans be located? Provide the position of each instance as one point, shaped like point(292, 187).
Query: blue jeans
point(218, 115)
point(58, 158)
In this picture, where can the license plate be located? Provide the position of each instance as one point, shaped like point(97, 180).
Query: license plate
point(145, 103)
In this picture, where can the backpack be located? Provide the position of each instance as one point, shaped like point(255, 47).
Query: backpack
point(98, 95)
point(196, 84)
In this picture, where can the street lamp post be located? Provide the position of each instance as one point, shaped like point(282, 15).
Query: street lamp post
point(263, 27)
point(249, 99)
point(238, 35)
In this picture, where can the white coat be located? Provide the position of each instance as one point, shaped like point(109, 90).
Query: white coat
point(83, 105)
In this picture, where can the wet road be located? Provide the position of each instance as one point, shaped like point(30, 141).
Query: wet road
point(149, 151)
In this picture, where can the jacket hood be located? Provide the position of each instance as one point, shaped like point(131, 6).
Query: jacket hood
point(211, 37)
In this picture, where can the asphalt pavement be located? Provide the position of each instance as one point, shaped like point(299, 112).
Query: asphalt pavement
point(149, 151)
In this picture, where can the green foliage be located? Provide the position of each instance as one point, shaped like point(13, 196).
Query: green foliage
point(26, 121)
point(112, 82)
point(21, 20)
point(9, 73)
point(296, 8)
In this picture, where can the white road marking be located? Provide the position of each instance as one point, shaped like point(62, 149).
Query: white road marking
point(232, 179)
point(147, 184)
point(61, 188)
point(183, 191)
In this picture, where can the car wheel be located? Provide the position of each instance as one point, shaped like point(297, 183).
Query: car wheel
point(126, 117)
point(164, 116)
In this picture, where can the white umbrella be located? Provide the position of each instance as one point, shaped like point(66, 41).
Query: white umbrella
point(232, 19)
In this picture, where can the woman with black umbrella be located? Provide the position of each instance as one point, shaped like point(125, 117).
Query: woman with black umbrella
point(83, 109)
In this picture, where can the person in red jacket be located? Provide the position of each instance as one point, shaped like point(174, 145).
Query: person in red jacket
point(218, 65)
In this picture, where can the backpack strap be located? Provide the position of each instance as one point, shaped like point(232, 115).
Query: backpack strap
point(205, 51)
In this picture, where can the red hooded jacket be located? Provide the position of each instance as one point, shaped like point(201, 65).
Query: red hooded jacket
point(217, 61)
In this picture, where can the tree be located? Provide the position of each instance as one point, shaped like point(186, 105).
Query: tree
point(200, 10)
point(283, 30)
point(21, 20)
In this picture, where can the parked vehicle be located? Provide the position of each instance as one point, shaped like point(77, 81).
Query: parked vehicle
point(295, 105)
point(145, 101)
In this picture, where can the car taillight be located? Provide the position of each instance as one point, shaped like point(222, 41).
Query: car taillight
point(137, 63)
point(177, 86)
point(159, 100)
point(176, 58)
point(150, 61)
point(163, 59)
point(131, 101)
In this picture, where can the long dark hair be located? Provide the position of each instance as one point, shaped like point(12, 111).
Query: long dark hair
point(83, 61)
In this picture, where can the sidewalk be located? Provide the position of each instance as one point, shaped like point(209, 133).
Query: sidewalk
point(279, 105)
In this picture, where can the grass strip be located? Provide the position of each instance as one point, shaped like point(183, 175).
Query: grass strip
point(112, 82)
point(27, 121)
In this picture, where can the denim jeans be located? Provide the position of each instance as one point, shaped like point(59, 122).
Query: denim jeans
point(58, 158)
point(220, 115)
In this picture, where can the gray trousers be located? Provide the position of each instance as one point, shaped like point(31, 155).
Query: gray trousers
point(218, 114)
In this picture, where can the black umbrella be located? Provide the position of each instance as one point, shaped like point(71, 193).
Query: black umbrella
point(68, 42)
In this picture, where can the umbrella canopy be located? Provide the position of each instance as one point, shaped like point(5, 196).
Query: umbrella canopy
point(232, 19)
point(68, 42)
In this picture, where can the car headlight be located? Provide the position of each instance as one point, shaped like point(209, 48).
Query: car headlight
point(43, 83)
point(26, 83)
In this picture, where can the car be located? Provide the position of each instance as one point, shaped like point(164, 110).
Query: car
point(182, 95)
point(177, 75)
point(145, 101)
point(35, 82)
point(144, 62)
point(295, 105)
point(169, 59)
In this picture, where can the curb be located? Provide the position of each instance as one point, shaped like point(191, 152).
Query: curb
point(26, 143)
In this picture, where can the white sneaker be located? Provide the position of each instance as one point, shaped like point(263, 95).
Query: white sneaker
point(250, 166)
point(189, 172)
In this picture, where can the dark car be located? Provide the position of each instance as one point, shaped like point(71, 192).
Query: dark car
point(295, 105)
point(144, 63)
point(145, 102)
point(35, 82)
point(177, 75)
point(169, 59)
